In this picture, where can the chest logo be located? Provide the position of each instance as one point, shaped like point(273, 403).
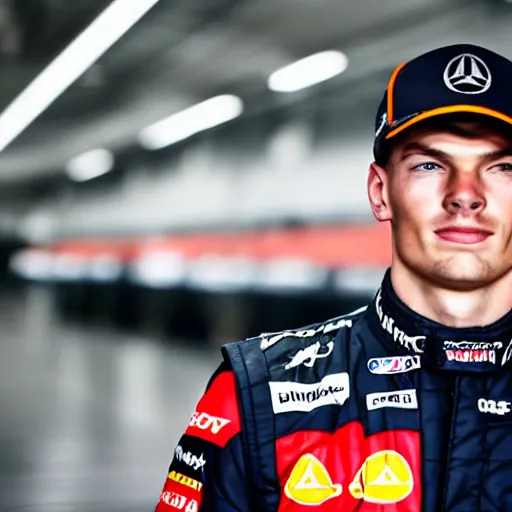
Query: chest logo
point(493, 407)
point(385, 477)
point(296, 396)
point(310, 483)
point(402, 399)
point(397, 364)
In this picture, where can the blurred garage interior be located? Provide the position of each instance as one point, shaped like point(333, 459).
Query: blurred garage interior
point(163, 191)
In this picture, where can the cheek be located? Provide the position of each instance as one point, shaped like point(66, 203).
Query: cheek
point(499, 211)
point(499, 202)
point(416, 203)
point(415, 210)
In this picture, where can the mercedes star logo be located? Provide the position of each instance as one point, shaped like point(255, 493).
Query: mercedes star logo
point(467, 74)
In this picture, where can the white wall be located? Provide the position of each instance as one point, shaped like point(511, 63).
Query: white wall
point(288, 180)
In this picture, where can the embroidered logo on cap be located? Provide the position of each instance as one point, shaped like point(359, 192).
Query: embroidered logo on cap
point(467, 74)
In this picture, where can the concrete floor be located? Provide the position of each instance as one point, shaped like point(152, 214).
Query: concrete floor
point(88, 418)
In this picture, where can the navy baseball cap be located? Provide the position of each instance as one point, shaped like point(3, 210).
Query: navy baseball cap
point(453, 79)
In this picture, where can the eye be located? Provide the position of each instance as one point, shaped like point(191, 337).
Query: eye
point(505, 167)
point(428, 166)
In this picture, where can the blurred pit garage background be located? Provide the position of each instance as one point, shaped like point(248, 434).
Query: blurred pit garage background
point(162, 191)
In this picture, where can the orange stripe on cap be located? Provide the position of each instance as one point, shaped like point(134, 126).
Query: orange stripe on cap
point(391, 88)
point(452, 109)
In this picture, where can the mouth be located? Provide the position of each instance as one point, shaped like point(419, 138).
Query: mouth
point(463, 235)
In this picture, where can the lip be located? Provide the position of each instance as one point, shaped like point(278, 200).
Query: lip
point(463, 234)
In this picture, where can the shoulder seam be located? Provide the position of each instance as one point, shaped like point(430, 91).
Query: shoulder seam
point(267, 340)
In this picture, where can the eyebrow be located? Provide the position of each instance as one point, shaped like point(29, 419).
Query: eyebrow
point(416, 147)
point(437, 153)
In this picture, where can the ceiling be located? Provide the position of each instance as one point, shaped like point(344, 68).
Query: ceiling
point(184, 51)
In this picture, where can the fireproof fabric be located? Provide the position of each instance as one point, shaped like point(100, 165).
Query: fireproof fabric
point(378, 410)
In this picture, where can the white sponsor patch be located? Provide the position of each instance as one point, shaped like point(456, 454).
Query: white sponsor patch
point(189, 458)
point(472, 345)
point(492, 407)
point(296, 396)
point(204, 421)
point(309, 355)
point(405, 399)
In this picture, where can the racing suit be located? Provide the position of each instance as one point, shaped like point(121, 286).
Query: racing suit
point(379, 410)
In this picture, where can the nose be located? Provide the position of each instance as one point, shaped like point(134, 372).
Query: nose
point(464, 196)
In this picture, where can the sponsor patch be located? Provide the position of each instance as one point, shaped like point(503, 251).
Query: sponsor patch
point(270, 339)
point(352, 470)
point(295, 396)
point(183, 488)
point(189, 458)
point(385, 477)
point(404, 399)
point(471, 351)
point(204, 421)
point(500, 408)
point(185, 480)
point(309, 355)
point(390, 365)
point(178, 501)
point(310, 483)
point(216, 418)
point(412, 343)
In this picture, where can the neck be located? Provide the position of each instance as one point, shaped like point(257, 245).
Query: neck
point(453, 308)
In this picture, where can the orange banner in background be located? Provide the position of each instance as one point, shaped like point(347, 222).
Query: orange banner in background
point(327, 246)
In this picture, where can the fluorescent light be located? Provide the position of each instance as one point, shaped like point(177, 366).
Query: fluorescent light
point(190, 121)
point(221, 273)
point(308, 71)
point(158, 270)
point(32, 264)
point(95, 40)
point(90, 165)
point(105, 268)
point(291, 273)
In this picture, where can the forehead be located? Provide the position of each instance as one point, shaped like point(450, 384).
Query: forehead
point(458, 138)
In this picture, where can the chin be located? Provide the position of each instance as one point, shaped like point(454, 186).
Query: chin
point(465, 272)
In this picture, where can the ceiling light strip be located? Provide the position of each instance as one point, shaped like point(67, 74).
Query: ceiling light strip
point(76, 58)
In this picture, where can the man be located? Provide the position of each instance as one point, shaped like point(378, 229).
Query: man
point(406, 404)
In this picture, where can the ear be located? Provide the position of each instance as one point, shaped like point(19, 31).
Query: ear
point(378, 192)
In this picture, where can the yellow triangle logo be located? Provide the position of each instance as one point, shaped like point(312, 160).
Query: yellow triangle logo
point(384, 477)
point(309, 482)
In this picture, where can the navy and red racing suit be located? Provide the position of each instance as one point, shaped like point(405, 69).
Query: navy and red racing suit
point(380, 410)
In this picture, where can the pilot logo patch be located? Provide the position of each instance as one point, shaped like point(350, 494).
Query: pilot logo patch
point(385, 477)
point(310, 483)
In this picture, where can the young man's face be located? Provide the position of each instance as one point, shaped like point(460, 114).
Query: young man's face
point(449, 199)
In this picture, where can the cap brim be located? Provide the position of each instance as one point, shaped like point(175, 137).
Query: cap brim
point(452, 109)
